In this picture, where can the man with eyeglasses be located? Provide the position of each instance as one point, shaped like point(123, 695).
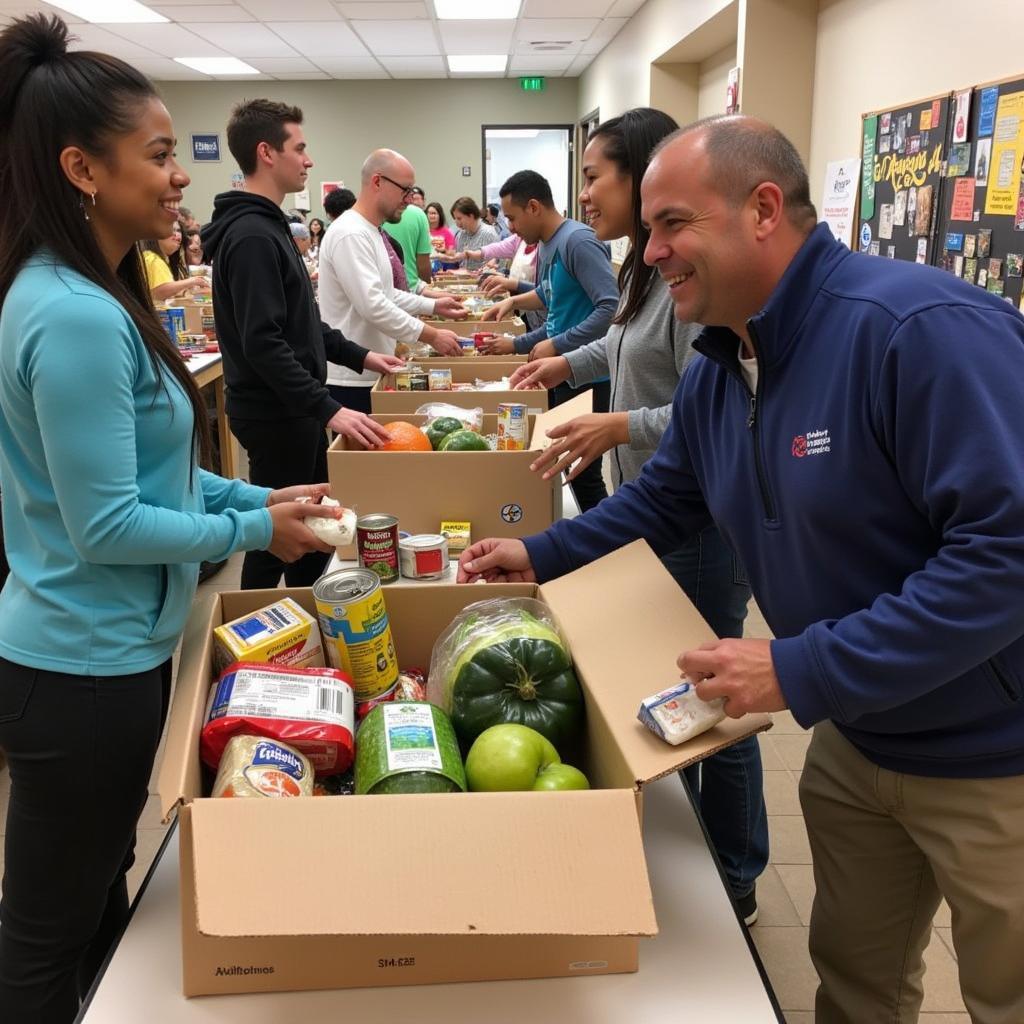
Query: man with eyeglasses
point(357, 291)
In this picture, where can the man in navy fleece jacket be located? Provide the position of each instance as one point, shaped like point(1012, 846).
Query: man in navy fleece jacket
point(856, 431)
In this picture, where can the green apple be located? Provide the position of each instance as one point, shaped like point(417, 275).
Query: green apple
point(561, 776)
point(509, 757)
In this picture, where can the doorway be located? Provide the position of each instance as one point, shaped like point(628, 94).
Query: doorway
point(546, 149)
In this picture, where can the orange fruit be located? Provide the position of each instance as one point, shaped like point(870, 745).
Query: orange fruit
point(406, 437)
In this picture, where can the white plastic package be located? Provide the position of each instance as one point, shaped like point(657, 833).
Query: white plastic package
point(336, 532)
point(678, 714)
point(473, 419)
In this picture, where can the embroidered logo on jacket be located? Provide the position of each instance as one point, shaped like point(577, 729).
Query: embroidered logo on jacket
point(814, 442)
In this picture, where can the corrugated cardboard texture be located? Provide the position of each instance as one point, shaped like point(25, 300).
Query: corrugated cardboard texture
point(626, 647)
point(509, 864)
point(496, 492)
point(466, 328)
point(464, 371)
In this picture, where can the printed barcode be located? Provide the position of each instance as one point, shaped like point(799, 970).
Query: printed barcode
point(330, 699)
point(279, 618)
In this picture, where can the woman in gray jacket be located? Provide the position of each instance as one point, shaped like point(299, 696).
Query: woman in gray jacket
point(645, 353)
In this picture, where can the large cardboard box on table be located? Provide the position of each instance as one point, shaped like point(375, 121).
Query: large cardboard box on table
point(466, 328)
point(465, 370)
point(496, 492)
point(357, 891)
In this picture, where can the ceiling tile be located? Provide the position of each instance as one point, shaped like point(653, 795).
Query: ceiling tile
point(385, 11)
point(292, 10)
point(252, 40)
point(278, 66)
point(214, 12)
point(168, 40)
point(547, 47)
point(398, 38)
point(414, 67)
point(566, 8)
point(603, 35)
point(164, 69)
point(553, 63)
point(92, 37)
point(320, 38)
point(469, 37)
point(624, 8)
point(341, 77)
point(341, 66)
point(303, 76)
point(579, 65)
point(571, 29)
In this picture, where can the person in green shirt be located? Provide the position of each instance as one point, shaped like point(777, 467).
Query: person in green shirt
point(412, 232)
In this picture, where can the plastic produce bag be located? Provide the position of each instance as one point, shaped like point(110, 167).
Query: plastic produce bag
point(471, 419)
point(505, 660)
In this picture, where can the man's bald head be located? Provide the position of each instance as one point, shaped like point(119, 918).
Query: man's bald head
point(743, 152)
point(388, 162)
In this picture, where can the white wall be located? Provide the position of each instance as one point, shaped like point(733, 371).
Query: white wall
point(547, 154)
point(619, 77)
point(877, 53)
point(435, 123)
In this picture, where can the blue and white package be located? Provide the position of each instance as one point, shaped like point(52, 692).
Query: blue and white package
point(678, 714)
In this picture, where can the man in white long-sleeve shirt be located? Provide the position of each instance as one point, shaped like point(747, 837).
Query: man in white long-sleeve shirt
point(357, 292)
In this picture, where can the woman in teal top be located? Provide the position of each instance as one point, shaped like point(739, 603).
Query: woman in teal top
point(106, 513)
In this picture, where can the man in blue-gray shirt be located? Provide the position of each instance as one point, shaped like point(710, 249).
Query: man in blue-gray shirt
point(574, 283)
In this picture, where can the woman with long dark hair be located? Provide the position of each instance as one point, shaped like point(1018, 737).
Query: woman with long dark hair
point(166, 266)
point(106, 512)
point(644, 354)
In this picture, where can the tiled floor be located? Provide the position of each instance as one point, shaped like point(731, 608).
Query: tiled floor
point(785, 891)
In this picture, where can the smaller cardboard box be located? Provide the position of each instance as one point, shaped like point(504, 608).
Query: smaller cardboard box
point(465, 328)
point(465, 370)
point(358, 891)
point(496, 492)
point(198, 318)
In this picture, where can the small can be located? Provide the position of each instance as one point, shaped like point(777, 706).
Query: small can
point(177, 315)
point(412, 380)
point(357, 632)
point(377, 545)
point(513, 424)
point(467, 344)
point(169, 323)
point(440, 379)
point(424, 556)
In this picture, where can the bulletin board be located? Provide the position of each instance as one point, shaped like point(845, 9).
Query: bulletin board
point(903, 150)
point(981, 219)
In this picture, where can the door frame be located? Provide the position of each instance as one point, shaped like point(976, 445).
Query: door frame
point(570, 131)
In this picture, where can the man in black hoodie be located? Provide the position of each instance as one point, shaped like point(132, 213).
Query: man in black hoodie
point(274, 345)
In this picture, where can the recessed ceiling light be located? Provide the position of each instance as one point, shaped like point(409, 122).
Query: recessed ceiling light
point(470, 65)
point(218, 65)
point(109, 11)
point(473, 10)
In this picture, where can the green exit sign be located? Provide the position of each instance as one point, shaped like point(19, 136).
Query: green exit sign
point(535, 84)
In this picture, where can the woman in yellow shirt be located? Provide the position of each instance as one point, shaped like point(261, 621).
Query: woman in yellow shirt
point(166, 269)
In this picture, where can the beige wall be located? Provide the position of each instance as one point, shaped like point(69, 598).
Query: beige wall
point(435, 123)
point(876, 53)
point(714, 77)
point(619, 78)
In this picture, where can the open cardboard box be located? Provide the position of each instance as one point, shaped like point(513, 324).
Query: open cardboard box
point(465, 370)
point(496, 492)
point(357, 891)
point(465, 328)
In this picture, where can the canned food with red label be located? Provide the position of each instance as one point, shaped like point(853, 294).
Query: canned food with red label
point(424, 556)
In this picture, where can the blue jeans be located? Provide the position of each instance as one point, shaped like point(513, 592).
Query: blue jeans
point(728, 786)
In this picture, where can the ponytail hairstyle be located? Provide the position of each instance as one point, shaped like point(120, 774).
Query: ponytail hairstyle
point(50, 99)
point(628, 142)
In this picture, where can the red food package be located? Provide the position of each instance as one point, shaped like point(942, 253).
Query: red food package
point(310, 709)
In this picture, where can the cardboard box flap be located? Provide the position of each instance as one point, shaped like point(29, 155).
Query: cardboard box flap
point(179, 775)
point(625, 645)
point(550, 864)
point(582, 404)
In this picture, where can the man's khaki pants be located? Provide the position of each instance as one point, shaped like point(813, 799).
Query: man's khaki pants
point(887, 847)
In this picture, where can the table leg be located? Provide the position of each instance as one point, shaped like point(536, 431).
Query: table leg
point(227, 441)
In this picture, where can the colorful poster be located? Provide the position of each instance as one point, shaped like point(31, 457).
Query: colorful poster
point(987, 110)
point(923, 213)
point(1005, 165)
point(926, 119)
point(970, 245)
point(963, 199)
point(840, 197)
point(982, 159)
point(867, 183)
point(883, 125)
point(961, 115)
point(327, 187)
point(954, 241)
point(959, 162)
point(936, 112)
